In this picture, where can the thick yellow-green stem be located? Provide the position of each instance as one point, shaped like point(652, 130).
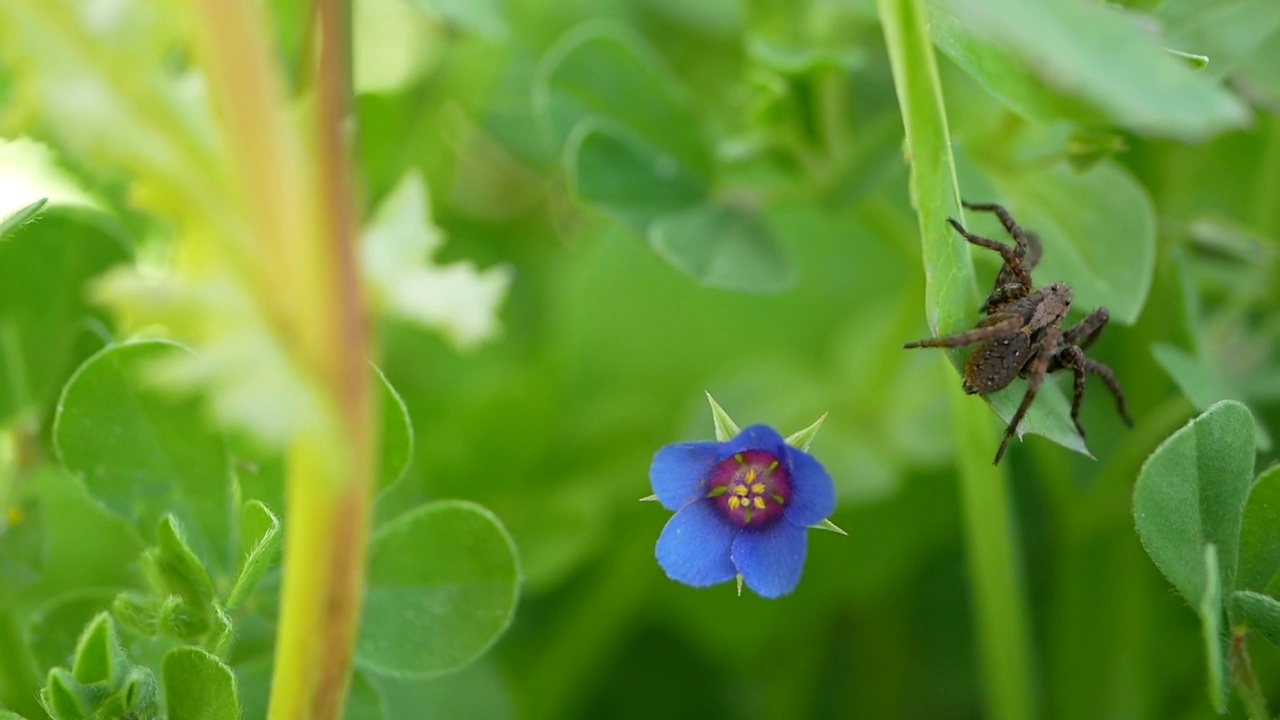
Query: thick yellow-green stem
point(301, 214)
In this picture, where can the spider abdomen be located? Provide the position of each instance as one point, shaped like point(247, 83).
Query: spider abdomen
point(996, 363)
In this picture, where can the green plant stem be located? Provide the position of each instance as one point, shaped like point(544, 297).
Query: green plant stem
point(19, 684)
point(999, 605)
point(1245, 681)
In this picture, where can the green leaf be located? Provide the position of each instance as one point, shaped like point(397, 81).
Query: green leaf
point(1262, 611)
point(726, 428)
point(1191, 493)
point(260, 544)
point(46, 326)
point(1075, 47)
point(198, 686)
point(23, 542)
point(1227, 31)
point(176, 571)
point(62, 696)
point(1098, 230)
point(56, 626)
point(443, 582)
point(160, 455)
point(599, 69)
point(627, 178)
point(724, 247)
point(1259, 540)
point(1215, 640)
point(363, 700)
point(99, 657)
point(21, 216)
point(396, 438)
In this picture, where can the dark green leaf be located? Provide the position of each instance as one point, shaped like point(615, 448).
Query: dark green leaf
point(159, 456)
point(443, 581)
point(46, 327)
point(1075, 48)
point(260, 544)
point(1259, 538)
point(724, 247)
point(1098, 230)
point(198, 686)
point(1262, 611)
point(99, 657)
point(599, 69)
point(626, 177)
point(1191, 493)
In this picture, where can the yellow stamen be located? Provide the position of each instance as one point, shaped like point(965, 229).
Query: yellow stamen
point(758, 502)
point(758, 488)
point(740, 490)
point(751, 476)
point(734, 502)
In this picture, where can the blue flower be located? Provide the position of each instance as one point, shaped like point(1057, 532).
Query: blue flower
point(742, 509)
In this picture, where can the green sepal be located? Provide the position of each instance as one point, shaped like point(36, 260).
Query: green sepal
point(718, 491)
point(649, 498)
point(830, 527)
point(62, 697)
point(99, 657)
point(260, 543)
point(176, 571)
point(726, 428)
point(804, 438)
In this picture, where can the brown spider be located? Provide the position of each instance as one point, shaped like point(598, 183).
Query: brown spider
point(1021, 333)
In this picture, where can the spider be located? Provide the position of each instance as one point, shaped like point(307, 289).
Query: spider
point(1021, 333)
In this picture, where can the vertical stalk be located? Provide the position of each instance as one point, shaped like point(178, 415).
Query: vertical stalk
point(1255, 704)
point(292, 181)
point(1000, 614)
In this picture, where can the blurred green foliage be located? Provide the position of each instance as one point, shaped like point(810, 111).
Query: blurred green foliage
point(702, 196)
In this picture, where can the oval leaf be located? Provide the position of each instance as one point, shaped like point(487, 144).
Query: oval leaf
point(1098, 230)
point(724, 247)
point(1191, 493)
point(627, 178)
point(1259, 540)
point(141, 452)
point(46, 327)
point(198, 686)
point(1263, 612)
point(443, 582)
point(1075, 48)
point(602, 70)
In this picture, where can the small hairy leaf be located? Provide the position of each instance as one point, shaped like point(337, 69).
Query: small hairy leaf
point(99, 657)
point(1259, 539)
point(1191, 493)
point(260, 544)
point(1262, 611)
point(198, 686)
point(724, 247)
point(62, 696)
point(159, 457)
point(443, 581)
point(176, 571)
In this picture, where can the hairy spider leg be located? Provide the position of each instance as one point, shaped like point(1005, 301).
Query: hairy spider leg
point(1087, 330)
point(1010, 256)
point(1073, 357)
point(1010, 225)
point(1052, 336)
point(1109, 379)
point(992, 326)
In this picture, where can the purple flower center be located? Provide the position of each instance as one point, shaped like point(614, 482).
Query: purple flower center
point(750, 488)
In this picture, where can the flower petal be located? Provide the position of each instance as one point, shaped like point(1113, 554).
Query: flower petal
point(756, 437)
point(813, 496)
point(678, 472)
point(771, 559)
point(694, 546)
